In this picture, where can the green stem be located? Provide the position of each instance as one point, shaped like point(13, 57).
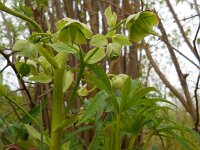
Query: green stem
point(80, 74)
point(57, 115)
point(116, 26)
point(87, 58)
point(132, 141)
point(23, 110)
point(118, 133)
point(39, 34)
point(19, 15)
point(41, 129)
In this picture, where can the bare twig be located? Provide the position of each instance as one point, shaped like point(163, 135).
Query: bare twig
point(186, 58)
point(195, 38)
point(164, 79)
point(198, 78)
point(117, 6)
point(184, 19)
point(18, 76)
point(182, 30)
point(4, 68)
point(182, 77)
point(197, 104)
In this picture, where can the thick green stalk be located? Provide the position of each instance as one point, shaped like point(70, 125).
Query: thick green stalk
point(57, 114)
point(132, 141)
point(19, 15)
point(80, 74)
point(118, 134)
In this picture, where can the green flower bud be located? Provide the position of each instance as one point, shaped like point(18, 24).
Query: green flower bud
point(117, 82)
point(113, 51)
point(123, 76)
point(83, 91)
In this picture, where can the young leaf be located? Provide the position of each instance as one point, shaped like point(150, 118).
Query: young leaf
point(110, 17)
point(138, 95)
point(41, 78)
point(83, 91)
point(49, 57)
point(61, 47)
point(125, 93)
point(67, 80)
point(96, 102)
point(99, 40)
point(121, 39)
point(33, 112)
point(26, 48)
point(101, 75)
point(33, 132)
point(141, 25)
point(94, 55)
point(66, 146)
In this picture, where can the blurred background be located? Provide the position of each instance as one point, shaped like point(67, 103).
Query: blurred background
point(170, 61)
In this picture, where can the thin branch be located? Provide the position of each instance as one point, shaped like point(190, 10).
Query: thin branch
point(142, 5)
point(184, 19)
point(195, 38)
point(18, 76)
point(164, 79)
point(182, 77)
point(4, 68)
point(19, 15)
point(117, 6)
point(45, 93)
point(197, 104)
point(181, 29)
point(186, 58)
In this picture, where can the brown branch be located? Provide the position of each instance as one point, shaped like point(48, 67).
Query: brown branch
point(197, 128)
point(19, 77)
point(184, 19)
point(182, 30)
point(182, 77)
point(195, 38)
point(4, 68)
point(117, 6)
point(186, 58)
point(164, 79)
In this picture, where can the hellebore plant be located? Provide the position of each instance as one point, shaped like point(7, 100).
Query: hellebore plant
point(128, 105)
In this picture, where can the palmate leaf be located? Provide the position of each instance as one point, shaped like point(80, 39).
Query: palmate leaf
point(141, 24)
point(102, 76)
point(96, 102)
point(73, 31)
point(125, 92)
point(138, 95)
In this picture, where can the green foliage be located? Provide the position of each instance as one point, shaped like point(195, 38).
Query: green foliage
point(110, 17)
point(98, 40)
point(121, 107)
point(94, 55)
point(26, 48)
point(141, 24)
